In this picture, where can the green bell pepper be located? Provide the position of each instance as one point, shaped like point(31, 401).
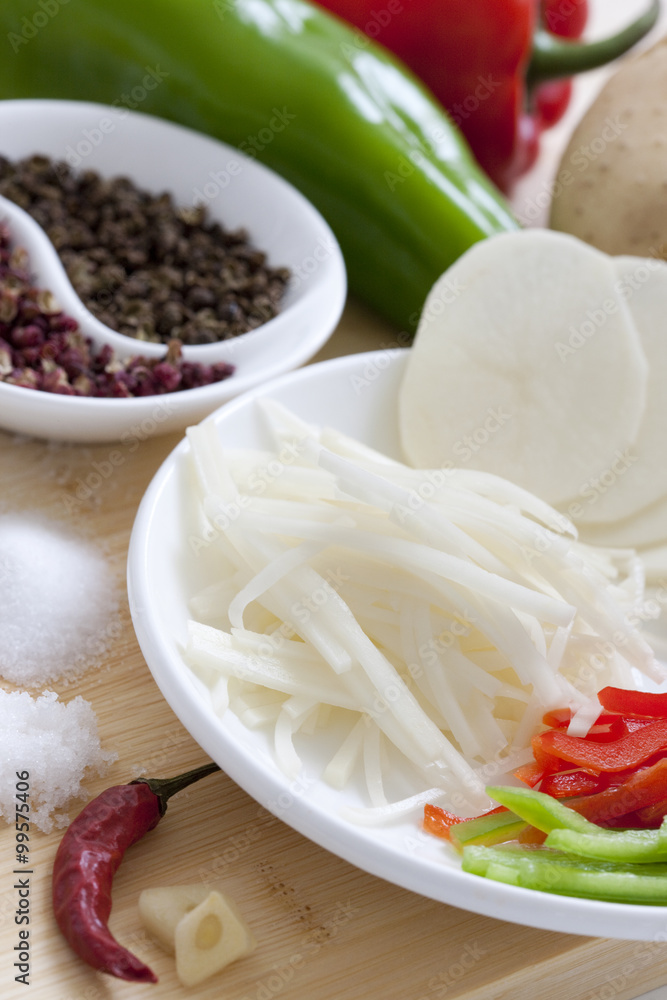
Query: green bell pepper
point(550, 871)
point(290, 84)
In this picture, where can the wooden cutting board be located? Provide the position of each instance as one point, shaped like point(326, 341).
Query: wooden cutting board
point(326, 931)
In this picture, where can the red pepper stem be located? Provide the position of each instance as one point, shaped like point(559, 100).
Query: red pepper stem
point(554, 57)
point(164, 788)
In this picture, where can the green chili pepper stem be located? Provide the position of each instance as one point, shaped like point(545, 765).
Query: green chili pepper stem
point(164, 788)
point(553, 57)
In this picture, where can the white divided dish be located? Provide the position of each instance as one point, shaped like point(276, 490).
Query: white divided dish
point(239, 193)
point(358, 396)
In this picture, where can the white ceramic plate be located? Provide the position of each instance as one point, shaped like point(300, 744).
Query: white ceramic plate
point(357, 395)
point(240, 193)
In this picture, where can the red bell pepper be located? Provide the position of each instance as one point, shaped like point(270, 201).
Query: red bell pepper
point(485, 61)
point(638, 703)
point(565, 784)
point(631, 750)
point(641, 790)
point(438, 821)
point(531, 774)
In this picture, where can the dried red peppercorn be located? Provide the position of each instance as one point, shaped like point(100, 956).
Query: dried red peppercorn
point(89, 856)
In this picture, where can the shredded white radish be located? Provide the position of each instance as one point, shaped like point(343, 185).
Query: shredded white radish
point(429, 617)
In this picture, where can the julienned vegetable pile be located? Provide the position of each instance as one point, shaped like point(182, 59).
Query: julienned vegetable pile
point(421, 622)
point(285, 82)
point(593, 822)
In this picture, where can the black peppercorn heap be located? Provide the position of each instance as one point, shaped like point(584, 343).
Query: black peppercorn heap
point(141, 265)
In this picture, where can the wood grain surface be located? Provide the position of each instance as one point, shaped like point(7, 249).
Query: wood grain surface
point(326, 930)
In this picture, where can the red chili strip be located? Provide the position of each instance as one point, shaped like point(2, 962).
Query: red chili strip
point(643, 703)
point(629, 751)
point(640, 790)
point(89, 856)
point(530, 774)
point(568, 783)
point(438, 821)
point(653, 815)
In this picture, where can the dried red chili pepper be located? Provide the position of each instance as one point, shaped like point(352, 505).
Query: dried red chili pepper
point(484, 61)
point(89, 856)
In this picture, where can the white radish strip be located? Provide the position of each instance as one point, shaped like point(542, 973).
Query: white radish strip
point(283, 423)
point(355, 450)
point(398, 701)
point(292, 714)
point(211, 470)
point(417, 557)
point(534, 631)
point(482, 489)
point(212, 648)
point(435, 530)
point(372, 750)
point(339, 770)
point(220, 695)
point(259, 716)
point(404, 809)
point(285, 601)
point(268, 577)
point(411, 653)
point(557, 647)
point(583, 718)
point(437, 674)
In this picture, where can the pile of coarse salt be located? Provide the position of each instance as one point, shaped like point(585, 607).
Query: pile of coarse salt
point(58, 602)
point(56, 744)
point(58, 615)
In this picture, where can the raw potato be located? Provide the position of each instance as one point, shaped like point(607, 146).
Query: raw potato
point(646, 528)
point(204, 928)
point(527, 364)
point(611, 185)
point(639, 479)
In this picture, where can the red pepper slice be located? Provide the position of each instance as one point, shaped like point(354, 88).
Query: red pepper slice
point(438, 821)
point(642, 789)
point(607, 726)
point(569, 783)
point(653, 815)
point(629, 751)
point(642, 703)
point(530, 774)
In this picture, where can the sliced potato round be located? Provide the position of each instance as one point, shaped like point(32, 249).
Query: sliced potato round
point(640, 477)
point(526, 363)
point(646, 528)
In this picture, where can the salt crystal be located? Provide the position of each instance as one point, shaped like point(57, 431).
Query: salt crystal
point(58, 603)
point(57, 744)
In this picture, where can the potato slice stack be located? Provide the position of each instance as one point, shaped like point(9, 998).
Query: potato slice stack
point(542, 359)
